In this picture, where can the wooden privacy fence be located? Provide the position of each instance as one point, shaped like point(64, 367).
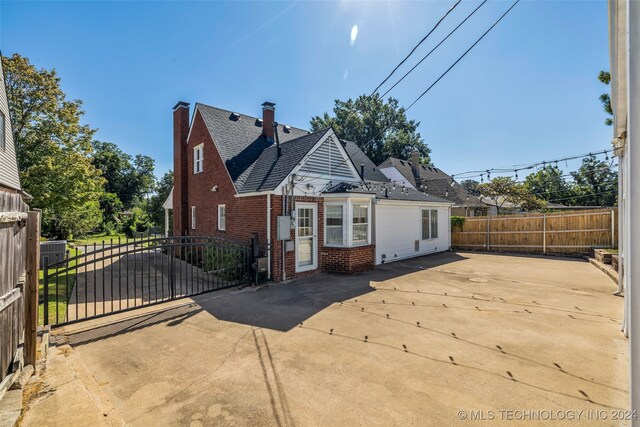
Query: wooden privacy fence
point(19, 239)
point(13, 219)
point(563, 233)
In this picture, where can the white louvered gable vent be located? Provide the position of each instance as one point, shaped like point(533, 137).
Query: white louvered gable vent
point(328, 160)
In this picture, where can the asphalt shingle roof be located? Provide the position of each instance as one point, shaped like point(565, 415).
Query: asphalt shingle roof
point(269, 170)
point(437, 182)
point(386, 191)
point(252, 163)
point(239, 139)
point(371, 171)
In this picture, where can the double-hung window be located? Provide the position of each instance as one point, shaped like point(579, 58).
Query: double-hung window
point(360, 223)
point(197, 159)
point(347, 222)
point(222, 217)
point(335, 224)
point(429, 224)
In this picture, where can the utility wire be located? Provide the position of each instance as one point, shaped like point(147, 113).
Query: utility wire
point(439, 78)
point(432, 50)
point(416, 46)
point(463, 55)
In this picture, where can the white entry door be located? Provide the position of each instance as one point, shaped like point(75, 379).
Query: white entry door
point(306, 237)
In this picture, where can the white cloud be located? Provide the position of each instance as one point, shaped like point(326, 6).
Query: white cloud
point(346, 74)
point(354, 34)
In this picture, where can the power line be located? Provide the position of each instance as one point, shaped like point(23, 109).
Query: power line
point(463, 55)
point(416, 46)
point(525, 166)
point(436, 47)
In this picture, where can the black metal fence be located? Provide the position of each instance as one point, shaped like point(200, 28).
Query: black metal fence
point(119, 275)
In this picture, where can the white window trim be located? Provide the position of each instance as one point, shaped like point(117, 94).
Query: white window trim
point(198, 148)
point(347, 223)
point(193, 217)
point(313, 266)
point(428, 209)
point(222, 227)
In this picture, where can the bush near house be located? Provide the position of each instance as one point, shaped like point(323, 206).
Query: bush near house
point(457, 222)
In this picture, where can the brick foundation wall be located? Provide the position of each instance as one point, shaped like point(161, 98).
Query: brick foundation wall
point(348, 260)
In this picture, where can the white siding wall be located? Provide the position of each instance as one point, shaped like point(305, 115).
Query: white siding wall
point(398, 226)
point(8, 166)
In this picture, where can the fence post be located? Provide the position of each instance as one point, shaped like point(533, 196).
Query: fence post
point(31, 291)
point(544, 233)
point(488, 233)
point(613, 228)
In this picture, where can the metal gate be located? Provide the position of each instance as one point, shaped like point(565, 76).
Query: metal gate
point(115, 276)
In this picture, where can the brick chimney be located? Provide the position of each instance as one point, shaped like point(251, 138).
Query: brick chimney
point(180, 169)
point(268, 117)
point(415, 167)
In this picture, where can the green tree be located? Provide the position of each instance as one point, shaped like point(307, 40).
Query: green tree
point(605, 77)
point(155, 209)
point(131, 179)
point(504, 189)
point(381, 129)
point(53, 149)
point(111, 208)
point(595, 183)
point(471, 186)
point(549, 184)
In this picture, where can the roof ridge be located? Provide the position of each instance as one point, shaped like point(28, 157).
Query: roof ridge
point(242, 114)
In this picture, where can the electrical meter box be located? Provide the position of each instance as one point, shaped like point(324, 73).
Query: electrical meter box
point(284, 227)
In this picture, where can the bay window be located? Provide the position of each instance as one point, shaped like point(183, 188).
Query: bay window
point(360, 223)
point(335, 225)
point(347, 222)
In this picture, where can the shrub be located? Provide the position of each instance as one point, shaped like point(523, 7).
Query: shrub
point(223, 261)
point(457, 222)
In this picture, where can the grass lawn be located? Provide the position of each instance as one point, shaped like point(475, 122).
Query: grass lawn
point(98, 238)
point(57, 286)
point(612, 251)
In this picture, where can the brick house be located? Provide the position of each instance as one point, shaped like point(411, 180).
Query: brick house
point(316, 203)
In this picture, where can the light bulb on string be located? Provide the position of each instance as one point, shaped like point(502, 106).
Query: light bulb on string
point(481, 177)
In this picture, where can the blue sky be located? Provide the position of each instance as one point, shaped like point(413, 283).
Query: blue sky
point(528, 92)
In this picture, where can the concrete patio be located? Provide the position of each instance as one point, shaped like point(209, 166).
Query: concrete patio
point(419, 342)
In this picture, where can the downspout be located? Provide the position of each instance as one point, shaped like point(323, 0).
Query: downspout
point(269, 236)
point(284, 212)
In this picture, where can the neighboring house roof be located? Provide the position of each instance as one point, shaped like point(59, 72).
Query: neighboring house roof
point(500, 202)
point(371, 171)
point(9, 176)
point(436, 182)
point(385, 191)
